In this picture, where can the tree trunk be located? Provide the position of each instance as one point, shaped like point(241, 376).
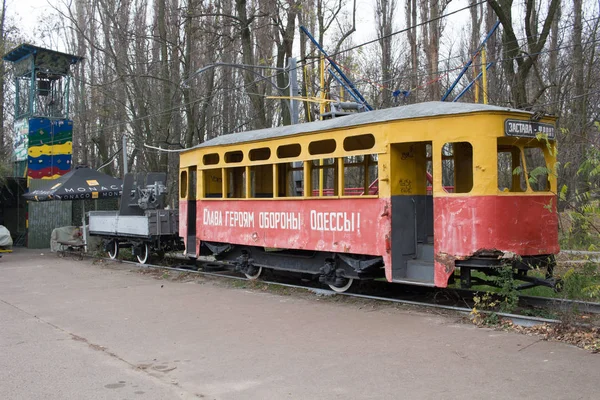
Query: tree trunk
point(284, 50)
point(384, 17)
point(3, 150)
point(579, 98)
point(188, 70)
point(411, 22)
point(553, 73)
point(259, 119)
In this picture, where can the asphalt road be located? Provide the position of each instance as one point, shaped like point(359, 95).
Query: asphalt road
point(78, 330)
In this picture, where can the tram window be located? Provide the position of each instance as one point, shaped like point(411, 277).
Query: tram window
point(234, 156)
point(183, 184)
point(261, 181)
point(290, 182)
point(236, 182)
point(537, 170)
point(324, 175)
point(264, 153)
point(360, 175)
point(326, 146)
point(210, 159)
point(289, 150)
point(213, 183)
point(359, 142)
point(457, 167)
point(510, 170)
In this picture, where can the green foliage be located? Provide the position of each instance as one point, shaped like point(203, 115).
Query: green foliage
point(580, 198)
point(484, 302)
point(584, 284)
point(518, 170)
point(537, 172)
point(507, 303)
point(592, 291)
point(508, 289)
point(562, 194)
point(579, 228)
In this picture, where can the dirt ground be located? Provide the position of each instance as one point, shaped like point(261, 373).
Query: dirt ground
point(74, 329)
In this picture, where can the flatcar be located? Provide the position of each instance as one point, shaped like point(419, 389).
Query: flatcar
point(142, 222)
point(414, 194)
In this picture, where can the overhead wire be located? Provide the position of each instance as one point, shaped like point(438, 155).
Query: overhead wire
point(301, 64)
point(240, 87)
point(274, 75)
point(444, 72)
point(498, 60)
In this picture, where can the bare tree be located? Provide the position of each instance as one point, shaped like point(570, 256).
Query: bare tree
point(284, 38)
point(411, 23)
point(384, 17)
point(523, 59)
point(259, 118)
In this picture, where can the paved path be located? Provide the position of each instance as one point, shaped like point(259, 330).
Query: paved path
point(75, 330)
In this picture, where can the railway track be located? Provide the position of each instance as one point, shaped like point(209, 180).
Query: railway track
point(409, 295)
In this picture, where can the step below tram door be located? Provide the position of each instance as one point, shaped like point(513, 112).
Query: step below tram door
point(412, 212)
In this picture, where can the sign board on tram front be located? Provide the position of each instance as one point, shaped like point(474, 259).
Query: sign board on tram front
point(515, 127)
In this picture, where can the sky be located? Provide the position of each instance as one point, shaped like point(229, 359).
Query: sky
point(28, 12)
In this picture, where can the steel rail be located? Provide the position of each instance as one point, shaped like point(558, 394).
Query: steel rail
point(562, 304)
point(522, 320)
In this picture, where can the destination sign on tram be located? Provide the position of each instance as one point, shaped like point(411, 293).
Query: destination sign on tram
point(515, 127)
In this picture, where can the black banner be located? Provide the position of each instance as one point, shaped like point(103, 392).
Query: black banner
point(522, 128)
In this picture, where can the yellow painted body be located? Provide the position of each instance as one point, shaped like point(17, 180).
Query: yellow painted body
point(476, 165)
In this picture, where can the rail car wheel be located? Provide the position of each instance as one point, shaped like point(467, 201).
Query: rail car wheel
point(342, 288)
point(144, 253)
point(253, 272)
point(113, 249)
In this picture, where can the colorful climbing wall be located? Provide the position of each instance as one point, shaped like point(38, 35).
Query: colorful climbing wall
point(50, 148)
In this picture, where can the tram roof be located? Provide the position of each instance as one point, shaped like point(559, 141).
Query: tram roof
point(419, 110)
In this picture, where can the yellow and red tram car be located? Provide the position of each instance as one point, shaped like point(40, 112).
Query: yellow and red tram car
point(409, 193)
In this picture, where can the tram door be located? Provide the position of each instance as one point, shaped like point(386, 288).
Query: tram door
point(190, 244)
point(412, 212)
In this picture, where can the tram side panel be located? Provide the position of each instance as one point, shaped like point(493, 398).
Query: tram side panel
point(356, 226)
point(464, 226)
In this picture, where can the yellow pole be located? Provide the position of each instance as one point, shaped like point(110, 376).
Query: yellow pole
point(248, 182)
point(322, 110)
point(321, 175)
point(322, 74)
point(484, 77)
point(476, 83)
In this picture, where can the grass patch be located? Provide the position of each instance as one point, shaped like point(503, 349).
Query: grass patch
point(580, 282)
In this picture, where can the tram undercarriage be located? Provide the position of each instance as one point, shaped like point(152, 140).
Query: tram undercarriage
point(338, 271)
point(486, 268)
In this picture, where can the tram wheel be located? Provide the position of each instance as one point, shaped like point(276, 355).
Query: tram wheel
point(144, 253)
point(113, 251)
point(253, 273)
point(342, 288)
